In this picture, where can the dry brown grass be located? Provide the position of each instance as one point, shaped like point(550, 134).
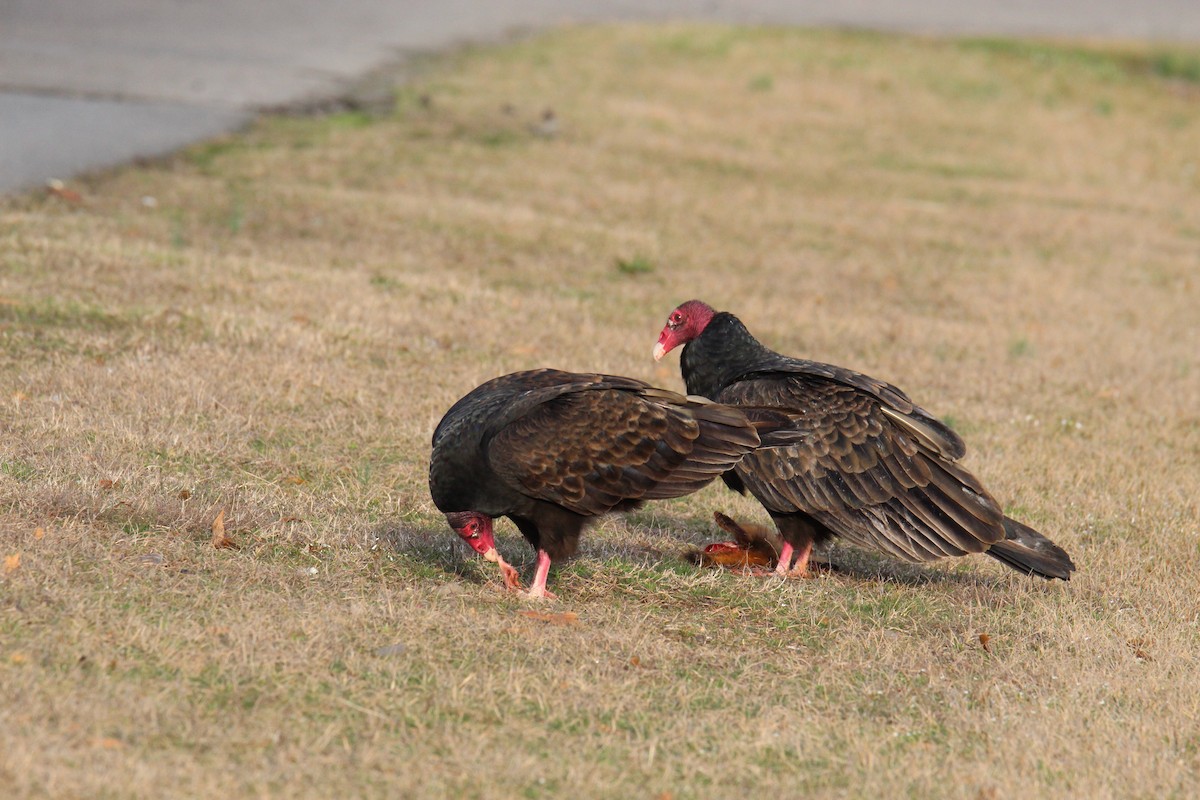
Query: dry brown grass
point(1011, 232)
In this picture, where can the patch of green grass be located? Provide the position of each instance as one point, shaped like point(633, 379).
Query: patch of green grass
point(1176, 66)
point(894, 608)
point(1019, 348)
point(1103, 64)
point(205, 156)
point(638, 265)
point(761, 83)
point(701, 43)
point(136, 528)
point(236, 215)
point(179, 237)
point(17, 469)
point(387, 283)
point(943, 169)
point(499, 138)
point(968, 89)
point(54, 313)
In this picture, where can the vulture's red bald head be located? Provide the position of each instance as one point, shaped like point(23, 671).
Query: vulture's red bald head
point(684, 324)
point(475, 529)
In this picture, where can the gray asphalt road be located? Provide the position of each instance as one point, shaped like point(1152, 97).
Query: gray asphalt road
point(87, 85)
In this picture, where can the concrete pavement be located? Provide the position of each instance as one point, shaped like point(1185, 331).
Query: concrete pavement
point(89, 85)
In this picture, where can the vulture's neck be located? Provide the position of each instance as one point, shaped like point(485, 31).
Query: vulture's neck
point(722, 354)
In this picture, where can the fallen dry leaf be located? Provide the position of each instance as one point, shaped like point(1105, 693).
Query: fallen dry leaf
point(984, 639)
point(553, 618)
point(219, 539)
point(57, 188)
point(11, 563)
point(18, 658)
point(107, 743)
point(184, 494)
point(39, 533)
point(295, 480)
point(1138, 646)
point(105, 483)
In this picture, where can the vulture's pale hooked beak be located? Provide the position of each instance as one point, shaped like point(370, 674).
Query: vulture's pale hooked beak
point(659, 351)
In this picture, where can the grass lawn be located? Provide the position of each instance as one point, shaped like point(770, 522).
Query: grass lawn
point(270, 325)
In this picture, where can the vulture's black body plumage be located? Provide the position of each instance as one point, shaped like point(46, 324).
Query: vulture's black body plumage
point(860, 460)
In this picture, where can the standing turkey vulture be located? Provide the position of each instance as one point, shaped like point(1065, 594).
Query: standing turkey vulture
point(861, 461)
point(552, 449)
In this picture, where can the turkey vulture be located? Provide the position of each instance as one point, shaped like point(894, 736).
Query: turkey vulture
point(860, 461)
point(551, 449)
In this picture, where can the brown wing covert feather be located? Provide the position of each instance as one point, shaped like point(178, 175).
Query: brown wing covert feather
point(592, 449)
point(847, 462)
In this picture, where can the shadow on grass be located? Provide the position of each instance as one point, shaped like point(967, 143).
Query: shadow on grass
point(680, 534)
point(866, 566)
point(433, 551)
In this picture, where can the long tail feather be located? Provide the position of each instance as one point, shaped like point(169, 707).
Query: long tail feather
point(1028, 551)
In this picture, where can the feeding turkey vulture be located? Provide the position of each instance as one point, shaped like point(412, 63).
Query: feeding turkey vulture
point(860, 462)
point(550, 450)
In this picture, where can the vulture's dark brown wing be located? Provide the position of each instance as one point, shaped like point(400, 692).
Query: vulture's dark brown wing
point(875, 475)
point(600, 441)
point(792, 379)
